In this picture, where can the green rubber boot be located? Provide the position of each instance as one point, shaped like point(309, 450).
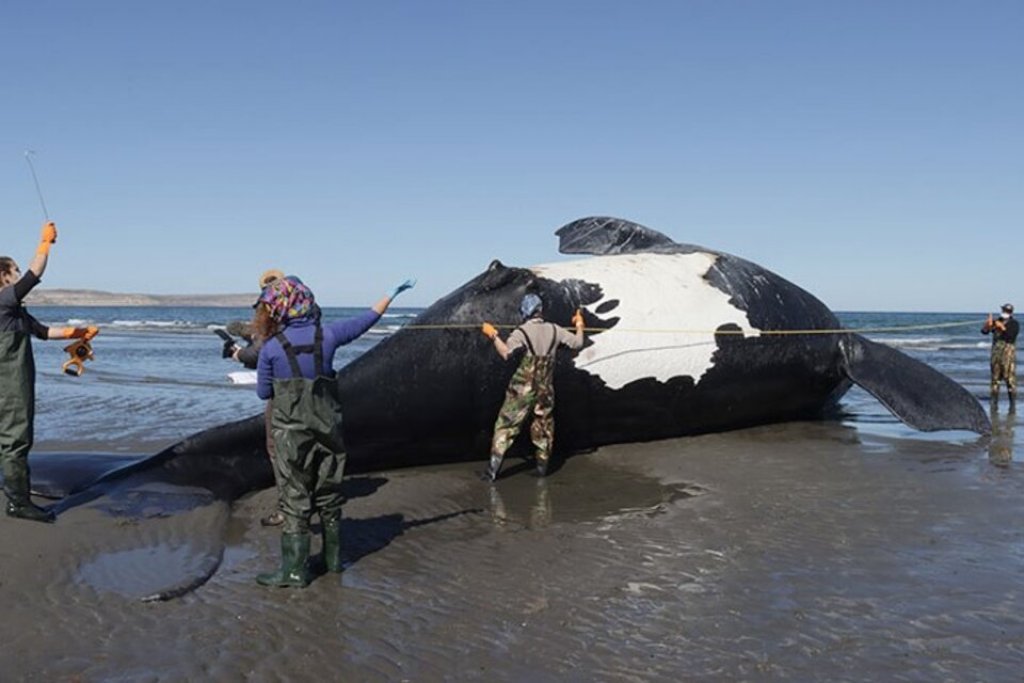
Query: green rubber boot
point(331, 535)
point(293, 572)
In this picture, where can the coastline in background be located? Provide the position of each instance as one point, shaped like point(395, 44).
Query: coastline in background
point(93, 297)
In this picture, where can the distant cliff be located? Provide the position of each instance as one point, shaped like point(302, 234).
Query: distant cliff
point(92, 297)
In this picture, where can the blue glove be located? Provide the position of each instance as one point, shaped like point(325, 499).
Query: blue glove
point(408, 284)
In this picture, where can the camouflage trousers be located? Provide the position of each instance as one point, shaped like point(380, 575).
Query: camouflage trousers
point(531, 391)
point(1004, 367)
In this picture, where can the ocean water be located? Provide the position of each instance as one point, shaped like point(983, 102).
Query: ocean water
point(158, 375)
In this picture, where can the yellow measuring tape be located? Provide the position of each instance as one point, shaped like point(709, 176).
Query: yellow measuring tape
point(863, 330)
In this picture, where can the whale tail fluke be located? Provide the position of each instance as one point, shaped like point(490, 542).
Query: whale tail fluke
point(919, 395)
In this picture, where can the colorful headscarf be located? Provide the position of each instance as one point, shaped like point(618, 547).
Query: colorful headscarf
point(288, 299)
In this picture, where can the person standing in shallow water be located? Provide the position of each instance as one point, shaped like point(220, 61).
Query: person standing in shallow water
point(532, 387)
point(1004, 331)
point(295, 369)
point(18, 374)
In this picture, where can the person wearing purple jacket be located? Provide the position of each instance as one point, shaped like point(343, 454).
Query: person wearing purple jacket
point(295, 369)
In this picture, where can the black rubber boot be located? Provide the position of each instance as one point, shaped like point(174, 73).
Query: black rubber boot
point(331, 536)
point(491, 473)
point(293, 572)
point(18, 502)
point(1013, 401)
point(30, 511)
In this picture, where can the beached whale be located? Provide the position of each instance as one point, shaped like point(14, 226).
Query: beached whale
point(682, 340)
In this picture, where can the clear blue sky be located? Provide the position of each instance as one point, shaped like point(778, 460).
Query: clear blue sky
point(870, 151)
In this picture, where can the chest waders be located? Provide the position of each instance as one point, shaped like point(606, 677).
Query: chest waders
point(309, 463)
point(1004, 369)
point(17, 419)
point(531, 390)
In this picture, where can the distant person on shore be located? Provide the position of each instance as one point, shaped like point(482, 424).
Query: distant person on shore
point(18, 375)
point(532, 388)
point(1004, 330)
point(295, 369)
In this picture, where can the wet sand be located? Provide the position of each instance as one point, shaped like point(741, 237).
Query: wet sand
point(790, 552)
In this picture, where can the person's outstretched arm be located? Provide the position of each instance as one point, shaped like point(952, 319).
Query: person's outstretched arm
point(383, 304)
point(350, 329)
point(85, 333)
point(31, 277)
point(46, 240)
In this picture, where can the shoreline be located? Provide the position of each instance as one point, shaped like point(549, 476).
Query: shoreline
point(85, 297)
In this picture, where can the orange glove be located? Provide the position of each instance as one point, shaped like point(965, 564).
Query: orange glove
point(577, 318)
point(489, 330)
point(47, 238)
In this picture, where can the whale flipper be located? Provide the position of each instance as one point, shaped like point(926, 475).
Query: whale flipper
point(916, 393)
point(58, 475)
point(603, 235)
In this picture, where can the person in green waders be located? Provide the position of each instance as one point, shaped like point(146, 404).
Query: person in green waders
point(18, 374)
point(295, 369)
point(1004, 331)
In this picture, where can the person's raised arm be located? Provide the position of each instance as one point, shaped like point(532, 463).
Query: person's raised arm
point(383, 304)
point(46, 240)
point(577, 321)
point(350, 329)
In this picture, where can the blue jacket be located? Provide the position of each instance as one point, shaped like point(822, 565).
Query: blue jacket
point(273, 363)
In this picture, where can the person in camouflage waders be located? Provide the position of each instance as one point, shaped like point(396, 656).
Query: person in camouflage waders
point(1004, 330)
point(295, 369)
point(531, 389)
point(18, 375)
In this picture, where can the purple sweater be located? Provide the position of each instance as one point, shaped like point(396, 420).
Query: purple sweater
point(273, 362)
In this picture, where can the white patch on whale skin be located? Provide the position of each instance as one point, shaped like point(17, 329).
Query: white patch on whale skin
point(667, 315)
